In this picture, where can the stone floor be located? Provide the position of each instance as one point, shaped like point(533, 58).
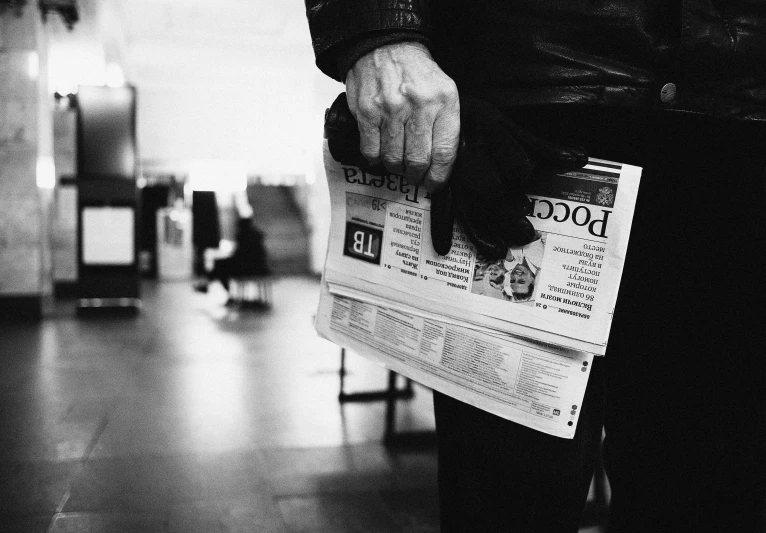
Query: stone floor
point(197, 417)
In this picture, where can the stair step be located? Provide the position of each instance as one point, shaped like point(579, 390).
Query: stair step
point(286, 239)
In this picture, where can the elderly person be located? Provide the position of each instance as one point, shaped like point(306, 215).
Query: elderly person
point(677, 87)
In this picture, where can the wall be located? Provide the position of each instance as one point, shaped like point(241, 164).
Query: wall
point(260, 118)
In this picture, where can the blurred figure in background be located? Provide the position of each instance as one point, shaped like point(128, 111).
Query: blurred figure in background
point(249, 256)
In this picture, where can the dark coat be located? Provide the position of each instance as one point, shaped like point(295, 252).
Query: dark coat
point(249, 257)
point(588, 52)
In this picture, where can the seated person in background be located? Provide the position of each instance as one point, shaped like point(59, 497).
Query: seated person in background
point(248, 259)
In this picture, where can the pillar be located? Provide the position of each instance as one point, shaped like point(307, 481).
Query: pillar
point(23, 249)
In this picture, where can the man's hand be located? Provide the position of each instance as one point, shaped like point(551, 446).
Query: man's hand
point(408, 112)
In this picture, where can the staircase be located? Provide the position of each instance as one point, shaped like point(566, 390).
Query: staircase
point(286, 237)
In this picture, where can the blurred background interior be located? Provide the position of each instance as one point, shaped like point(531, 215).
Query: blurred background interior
point(134, 135)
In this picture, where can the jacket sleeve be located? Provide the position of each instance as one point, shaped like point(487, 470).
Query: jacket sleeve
point(344, 30)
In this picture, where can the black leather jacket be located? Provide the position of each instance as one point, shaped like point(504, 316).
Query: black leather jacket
point(706, 56)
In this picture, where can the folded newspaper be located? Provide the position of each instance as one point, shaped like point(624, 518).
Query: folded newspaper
point(515, 337)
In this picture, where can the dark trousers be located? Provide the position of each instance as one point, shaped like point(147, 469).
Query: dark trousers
point(679, 391)
point(223, 270)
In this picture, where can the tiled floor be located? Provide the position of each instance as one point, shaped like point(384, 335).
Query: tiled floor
point(195, 417)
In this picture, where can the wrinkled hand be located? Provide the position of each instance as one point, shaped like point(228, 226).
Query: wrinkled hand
point(342, 134)
point(407, 111)
point(497, 158)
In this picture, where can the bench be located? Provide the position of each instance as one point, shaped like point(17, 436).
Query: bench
point(251, 291)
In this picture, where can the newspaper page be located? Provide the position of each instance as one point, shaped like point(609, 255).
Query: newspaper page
point(560, 289)
point(535, 385)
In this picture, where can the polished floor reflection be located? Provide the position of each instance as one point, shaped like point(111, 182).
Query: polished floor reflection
point(197, 417)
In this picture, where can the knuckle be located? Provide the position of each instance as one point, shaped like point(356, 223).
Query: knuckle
point(370, 152)
point(451, 89)
point(393, 163)
point(443, 155)
point(448, 89)
point(448, 97)
point(417, 127)
point(367, 111)
point(417, 164)
point(392, 104)
point(391, 129)
point(418, 95)
point(435, 181)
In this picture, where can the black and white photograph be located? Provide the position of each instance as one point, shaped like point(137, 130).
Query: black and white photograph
point(513, 278)
point(382, 266)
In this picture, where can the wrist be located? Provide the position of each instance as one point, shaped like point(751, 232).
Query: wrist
point(380, 41)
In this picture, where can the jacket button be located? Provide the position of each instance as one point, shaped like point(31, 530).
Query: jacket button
point(668, 93)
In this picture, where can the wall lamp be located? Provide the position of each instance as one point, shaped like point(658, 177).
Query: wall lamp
point(67, 9)
point(66, 101)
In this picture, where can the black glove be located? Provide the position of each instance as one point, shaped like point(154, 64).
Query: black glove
point(495, 161)
point(343, 139)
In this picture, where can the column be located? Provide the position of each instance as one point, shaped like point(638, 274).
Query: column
point(21, 220)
